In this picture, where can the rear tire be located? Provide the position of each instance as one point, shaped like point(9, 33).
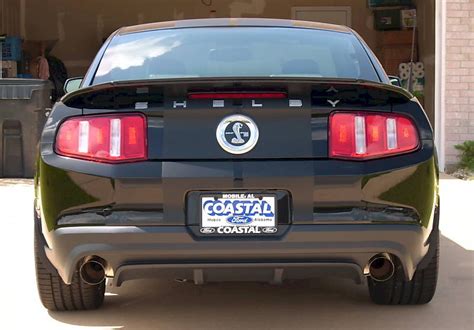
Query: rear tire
point(397, 291)
point(54, 293)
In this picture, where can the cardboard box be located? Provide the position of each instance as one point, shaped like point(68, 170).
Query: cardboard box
point(408, 18)
point(9, 69)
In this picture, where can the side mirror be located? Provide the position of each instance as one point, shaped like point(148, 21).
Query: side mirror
point(395, 81)
point(72, 84)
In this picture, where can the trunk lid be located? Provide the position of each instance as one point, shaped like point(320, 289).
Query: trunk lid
point(182, 127)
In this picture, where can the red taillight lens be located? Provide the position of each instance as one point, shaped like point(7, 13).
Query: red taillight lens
point(111, 138)
point(365, 135)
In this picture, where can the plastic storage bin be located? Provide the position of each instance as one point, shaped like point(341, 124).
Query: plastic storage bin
point(24, 107)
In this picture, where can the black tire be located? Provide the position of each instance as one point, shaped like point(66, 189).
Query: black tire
point(54, 293)
point(420, 290)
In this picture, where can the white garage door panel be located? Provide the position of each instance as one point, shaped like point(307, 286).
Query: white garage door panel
point(340, 15)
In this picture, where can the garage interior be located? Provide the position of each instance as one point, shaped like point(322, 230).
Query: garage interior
point(71, 32)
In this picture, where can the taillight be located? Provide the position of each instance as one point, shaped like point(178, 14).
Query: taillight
point(236, 95)
point(109, 138)
point(364, 135)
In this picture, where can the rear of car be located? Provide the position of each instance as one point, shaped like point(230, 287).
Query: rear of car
point(235, 150)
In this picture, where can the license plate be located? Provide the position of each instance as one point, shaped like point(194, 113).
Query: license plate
point(238, 214)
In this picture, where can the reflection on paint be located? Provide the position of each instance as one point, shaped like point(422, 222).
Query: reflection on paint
point(125, 55)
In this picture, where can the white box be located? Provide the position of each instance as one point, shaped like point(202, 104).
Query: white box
point(408, 18)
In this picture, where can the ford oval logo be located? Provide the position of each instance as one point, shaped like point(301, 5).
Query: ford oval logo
point(269, 230)
point(207, 230)
point(239, 220)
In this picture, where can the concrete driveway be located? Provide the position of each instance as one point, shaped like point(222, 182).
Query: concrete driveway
point(315, 304)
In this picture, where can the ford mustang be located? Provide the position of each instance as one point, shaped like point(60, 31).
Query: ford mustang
point(236, 150)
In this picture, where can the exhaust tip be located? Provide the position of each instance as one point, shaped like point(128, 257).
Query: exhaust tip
point(381, 267)
point(92, 270)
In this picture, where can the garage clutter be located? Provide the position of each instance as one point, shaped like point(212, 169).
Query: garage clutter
point(25, 101)
point(397, 42)
point(24, 107)
point(417, 73)
point(10, 55)
point(28, 59)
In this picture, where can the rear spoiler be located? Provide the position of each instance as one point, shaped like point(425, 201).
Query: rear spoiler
point(125, 95)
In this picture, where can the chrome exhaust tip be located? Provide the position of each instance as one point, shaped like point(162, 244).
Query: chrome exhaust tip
point(381, 267)
point(92, 270)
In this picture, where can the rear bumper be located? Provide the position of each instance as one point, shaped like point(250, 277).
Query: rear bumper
point(304, 251)
point(139, 217)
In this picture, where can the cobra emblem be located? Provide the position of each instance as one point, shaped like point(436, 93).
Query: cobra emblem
point(238, 137)
point(237, 134)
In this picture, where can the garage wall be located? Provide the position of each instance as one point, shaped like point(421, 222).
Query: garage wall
point(10, 17)
point(459, 79)
point(427, 49)
point(81, 26)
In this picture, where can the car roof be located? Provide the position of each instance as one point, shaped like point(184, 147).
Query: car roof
point(233, 22)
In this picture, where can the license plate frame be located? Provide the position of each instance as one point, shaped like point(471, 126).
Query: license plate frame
point(254, 220)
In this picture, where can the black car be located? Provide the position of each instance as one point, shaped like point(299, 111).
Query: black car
point(236, 150)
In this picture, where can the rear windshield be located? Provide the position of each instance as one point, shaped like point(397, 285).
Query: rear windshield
point(234, 52)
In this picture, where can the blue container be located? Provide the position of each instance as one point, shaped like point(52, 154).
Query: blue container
point(24, 76)
point(11, 49)
point(388, 3)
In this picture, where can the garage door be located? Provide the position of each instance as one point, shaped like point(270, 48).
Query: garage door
point(335, 15)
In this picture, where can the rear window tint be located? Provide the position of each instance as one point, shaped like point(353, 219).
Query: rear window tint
point(234, 52)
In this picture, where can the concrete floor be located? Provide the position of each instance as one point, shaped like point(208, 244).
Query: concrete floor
point(315, 304)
